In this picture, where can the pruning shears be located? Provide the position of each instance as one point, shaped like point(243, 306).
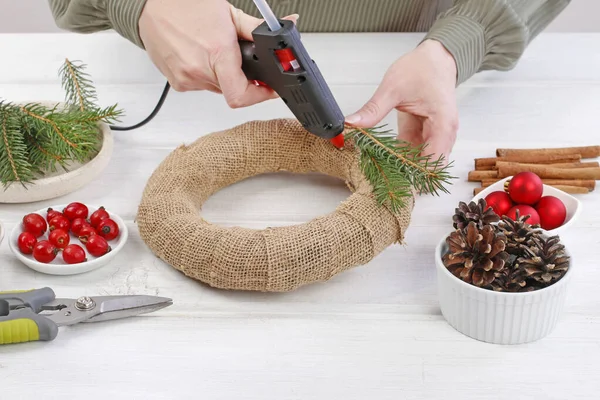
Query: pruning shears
point(22, 317)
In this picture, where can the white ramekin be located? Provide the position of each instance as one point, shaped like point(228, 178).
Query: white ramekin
point(498, 317)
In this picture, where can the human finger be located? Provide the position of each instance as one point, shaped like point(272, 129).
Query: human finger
point(375, 109)
point(410, 128)
point(439, 135)
point(237, 90)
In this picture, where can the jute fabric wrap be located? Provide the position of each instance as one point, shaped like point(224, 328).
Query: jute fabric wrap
point(274, 259)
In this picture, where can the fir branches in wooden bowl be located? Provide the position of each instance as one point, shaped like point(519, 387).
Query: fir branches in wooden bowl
point(48, 149)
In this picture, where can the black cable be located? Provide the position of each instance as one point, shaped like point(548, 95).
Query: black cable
point(163, 96)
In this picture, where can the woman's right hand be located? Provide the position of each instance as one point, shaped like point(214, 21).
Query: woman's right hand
point(194, 43)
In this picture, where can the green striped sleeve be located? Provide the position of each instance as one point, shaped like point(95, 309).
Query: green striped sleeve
point(88, 16)
point(491, 34)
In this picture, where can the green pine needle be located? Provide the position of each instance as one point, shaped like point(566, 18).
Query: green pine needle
point(396, 168)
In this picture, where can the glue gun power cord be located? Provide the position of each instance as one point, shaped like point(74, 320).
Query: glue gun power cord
point(163, 96)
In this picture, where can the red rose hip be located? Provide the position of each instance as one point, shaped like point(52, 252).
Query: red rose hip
point(59, 238)
point(44, 251)
point(74, 254)
point(26, 241)
point(97, 216)
point(77, 224)
point(108, 229)
point(51, 213)
point(97, 246)
point(76, 210)
point(86, 233)
point(60, 222)
point(35, 224)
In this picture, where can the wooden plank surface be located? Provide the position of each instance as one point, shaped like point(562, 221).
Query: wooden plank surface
point(373, 332)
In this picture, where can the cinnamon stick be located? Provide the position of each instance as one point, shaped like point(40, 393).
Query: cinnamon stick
point(589, 183)
point(475, 176)
point(572, 189)
point(584, 151)
point(544, 171)
point(538, 159)
point(591, 164)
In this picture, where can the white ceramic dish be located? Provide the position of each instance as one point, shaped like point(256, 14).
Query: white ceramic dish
point(572, 204)
point(498, 317)
point(58, 266)
point(62, 182)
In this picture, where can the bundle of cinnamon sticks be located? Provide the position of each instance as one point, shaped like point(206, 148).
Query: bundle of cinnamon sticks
point(565, 168)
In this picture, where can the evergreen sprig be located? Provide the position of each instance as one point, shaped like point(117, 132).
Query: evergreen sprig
point(36, 139)
point(78, 86)
point(396, 168)
point(14, 163)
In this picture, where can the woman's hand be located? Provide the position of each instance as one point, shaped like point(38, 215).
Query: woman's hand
point(194, 43)
point(421, 86)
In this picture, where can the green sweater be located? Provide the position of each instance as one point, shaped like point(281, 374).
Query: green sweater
point(480, 34)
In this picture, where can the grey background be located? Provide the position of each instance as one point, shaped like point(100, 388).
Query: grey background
point(33, 16)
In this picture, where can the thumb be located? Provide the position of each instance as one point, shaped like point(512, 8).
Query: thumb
point(244, 23)
point(375, 109)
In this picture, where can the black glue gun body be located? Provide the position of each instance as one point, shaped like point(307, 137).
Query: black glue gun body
point(279, 60)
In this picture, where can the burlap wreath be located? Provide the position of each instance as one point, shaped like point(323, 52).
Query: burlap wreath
point(274, 259)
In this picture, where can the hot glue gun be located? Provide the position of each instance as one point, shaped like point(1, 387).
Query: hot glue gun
point(278, 59)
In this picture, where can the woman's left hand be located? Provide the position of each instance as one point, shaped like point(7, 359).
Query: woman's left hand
point(421, 85)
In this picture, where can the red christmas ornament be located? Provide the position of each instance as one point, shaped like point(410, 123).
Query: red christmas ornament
point(552, 212)
point(499, 201)
point(524, 209)
point(525, 188)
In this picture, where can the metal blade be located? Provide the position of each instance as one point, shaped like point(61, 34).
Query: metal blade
point(129, 306)
point(103, 308)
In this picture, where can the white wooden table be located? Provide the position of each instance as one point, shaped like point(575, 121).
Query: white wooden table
point(373, 332)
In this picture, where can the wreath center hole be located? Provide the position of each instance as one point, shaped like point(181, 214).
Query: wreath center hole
point(275, 199)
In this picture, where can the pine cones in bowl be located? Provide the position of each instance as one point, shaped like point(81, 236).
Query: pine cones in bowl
point(501, 254)
point(501, 280)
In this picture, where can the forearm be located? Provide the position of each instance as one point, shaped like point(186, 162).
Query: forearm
point(492, 34)
point(88, 16)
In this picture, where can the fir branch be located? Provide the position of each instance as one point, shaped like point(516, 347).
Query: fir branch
point(39, 157)
point(14, 165)
point(37, 112)
point(79, 88)
point(394, 168)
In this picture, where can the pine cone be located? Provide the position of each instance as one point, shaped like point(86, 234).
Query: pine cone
point(544, 261)
point(478, 212)
point(518, 233)
point(511, 280)
point(476, 255)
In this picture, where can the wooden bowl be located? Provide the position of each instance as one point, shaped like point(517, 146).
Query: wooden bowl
point(61, 182)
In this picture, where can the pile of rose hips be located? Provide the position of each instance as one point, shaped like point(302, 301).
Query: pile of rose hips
point(94, 233)
point(524, 193)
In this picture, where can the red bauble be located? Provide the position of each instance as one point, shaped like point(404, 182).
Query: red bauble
point(525, 188)
point(552, 212)
point(534, 217)
point(499, 201)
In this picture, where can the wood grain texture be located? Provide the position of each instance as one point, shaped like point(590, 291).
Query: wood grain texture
point(373, 332)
